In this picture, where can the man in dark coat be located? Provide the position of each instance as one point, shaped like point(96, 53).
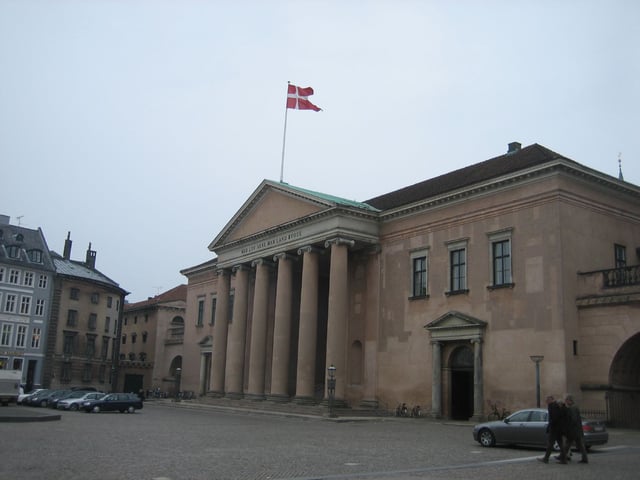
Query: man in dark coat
point(574, 430)
point(555, 426)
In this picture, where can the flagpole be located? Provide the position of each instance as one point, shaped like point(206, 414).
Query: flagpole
point(284, 135)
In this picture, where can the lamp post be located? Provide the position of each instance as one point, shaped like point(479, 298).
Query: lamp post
point(178, 375)
point(331, 387)
point(537, 359)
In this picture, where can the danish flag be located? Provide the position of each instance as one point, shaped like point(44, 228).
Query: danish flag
point(297, 98)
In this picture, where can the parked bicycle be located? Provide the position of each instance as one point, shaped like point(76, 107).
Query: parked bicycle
point(498, 412)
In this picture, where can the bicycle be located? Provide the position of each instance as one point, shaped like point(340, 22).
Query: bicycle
point(497, 412)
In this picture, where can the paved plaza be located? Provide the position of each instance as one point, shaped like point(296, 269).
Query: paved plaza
point(178, 442)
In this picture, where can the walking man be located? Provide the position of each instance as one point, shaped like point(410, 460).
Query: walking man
point(574, 430)
point(554, 429)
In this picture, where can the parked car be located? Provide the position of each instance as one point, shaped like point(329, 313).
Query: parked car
point(529, 427)
point(76, 399)
point(121, 402)
point(52, 400)
point(39, 399)
point(24, 397)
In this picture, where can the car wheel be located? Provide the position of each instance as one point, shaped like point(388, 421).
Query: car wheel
point(487, 438)
point(73, 407)
point(131, 409)
point(96, 409)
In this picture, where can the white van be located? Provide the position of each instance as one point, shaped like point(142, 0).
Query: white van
point(10, 386)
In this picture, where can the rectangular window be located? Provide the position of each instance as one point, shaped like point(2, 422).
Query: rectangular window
point(620, 255)
point(200, 320)
point(40, 303)
point(42, 281)
point(35, 337)
point(14, 276)
point(91, 346)
point(101, 371)
point(25, 305)
point(74, 294)
point(6, 334)
point(21, 336)
point(27, 279)
point(72, 318)
point(458, 270)
point(93, 321)
point(214, 303)
point(109, 302)
point(95, 297)
point(1, 274)
point(501, 260)
point(107, 324)
point(67, 346)
point(65, 372)
point(10, 303)
point(419, 274)
point(105, 348)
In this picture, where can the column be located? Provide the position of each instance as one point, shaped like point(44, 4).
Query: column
point(258, 346)
point(282, 328)
point(220, 330)
point(234, 375)
point(436, 380)
point(338, 313)
point(478, 388)
point(308, 334)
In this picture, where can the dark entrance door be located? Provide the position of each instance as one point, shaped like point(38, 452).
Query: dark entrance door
point(133, 383)
point(462, 384)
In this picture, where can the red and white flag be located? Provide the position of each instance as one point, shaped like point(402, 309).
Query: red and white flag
point(297, 98)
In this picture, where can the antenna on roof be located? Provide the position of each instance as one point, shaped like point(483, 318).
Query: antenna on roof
point(620, 176)
point(19, 217)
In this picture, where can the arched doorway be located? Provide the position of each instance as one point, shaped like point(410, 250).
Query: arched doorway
point(461, 367)
point(624, 378)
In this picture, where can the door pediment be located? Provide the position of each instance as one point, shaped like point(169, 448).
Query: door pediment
point(454, 325)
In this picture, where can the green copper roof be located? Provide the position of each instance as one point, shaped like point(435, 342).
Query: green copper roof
point(331, 198)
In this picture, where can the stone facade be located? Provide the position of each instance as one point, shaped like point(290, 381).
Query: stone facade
point(435, 295)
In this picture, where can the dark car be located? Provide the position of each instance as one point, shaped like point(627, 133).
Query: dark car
point(121, 402)
point(42, 399)
point(529, 427)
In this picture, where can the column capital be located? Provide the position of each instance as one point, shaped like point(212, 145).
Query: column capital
point(238, 268)
point(222, 271)
point(436, 343)
point(283, 256)
point(262, 261)
point(309, 249)
point(339, 241)
point(476, 340)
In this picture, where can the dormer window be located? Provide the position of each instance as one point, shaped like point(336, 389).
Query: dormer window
point(13, 251)
point(35, 255)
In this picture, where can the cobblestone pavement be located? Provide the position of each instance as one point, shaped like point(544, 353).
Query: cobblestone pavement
point(164, 442)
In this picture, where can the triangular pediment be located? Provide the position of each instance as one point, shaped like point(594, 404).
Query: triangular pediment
point(271, 205)
point(455, 325)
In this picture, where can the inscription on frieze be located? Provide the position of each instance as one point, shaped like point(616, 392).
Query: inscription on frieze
point(271, 242)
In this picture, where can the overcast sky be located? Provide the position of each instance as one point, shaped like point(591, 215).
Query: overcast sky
point(143, 126)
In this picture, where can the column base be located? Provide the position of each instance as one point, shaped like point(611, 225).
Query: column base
point(214, 394)
point(305, 400)
point(234, 395)
point(278, 398)
point(256, 397)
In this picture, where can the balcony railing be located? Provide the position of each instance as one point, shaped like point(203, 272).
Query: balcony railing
point(621, 277)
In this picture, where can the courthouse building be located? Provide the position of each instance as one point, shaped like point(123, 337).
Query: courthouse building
point(439, 294)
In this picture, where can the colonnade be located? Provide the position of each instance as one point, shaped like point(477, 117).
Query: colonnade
point(229, 339)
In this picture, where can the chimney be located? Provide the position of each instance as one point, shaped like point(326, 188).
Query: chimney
point(67, 247)
point(514, 147)
point(5, 219)
point(91, 258)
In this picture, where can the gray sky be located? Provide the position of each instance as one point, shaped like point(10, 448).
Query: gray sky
point(142, 126)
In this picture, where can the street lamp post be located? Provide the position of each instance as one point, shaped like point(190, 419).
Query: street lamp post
point(178, 377)
point(331, 387)
point(537, 359)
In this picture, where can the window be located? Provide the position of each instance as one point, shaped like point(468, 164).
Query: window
point(501, 273)
point(105, 348)
point(200, 312)
point(68, 344)
point(25, 305)
point(27, 279)
point(95, 297)
point(93, 321)
point(13, 251)
point(142, 356)
point(74, 294)
point(40, 307)
point(35, 255)
point(457, 267)
point(134, 337)
point(91, 346)
point(419, 274)
point(107, 324)
point(65, 372)
point(86, 372)
point(5, 335)
point(10, 303)
point(144, 337)
point(35, 337)
point(1, 274)
point(72, 318)
point(135, 320)
point(109, 302)
point(620, 255)
point(101, 372)
point(14, 276)
point(214, 302)
point(124, 338)
point(132, 356)
point(42, 281)
point(21, 336)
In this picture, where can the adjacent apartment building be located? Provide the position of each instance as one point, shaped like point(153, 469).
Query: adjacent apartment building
point(26, 286)
point(152, 342)
point(84, 330)
point(513, 276)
